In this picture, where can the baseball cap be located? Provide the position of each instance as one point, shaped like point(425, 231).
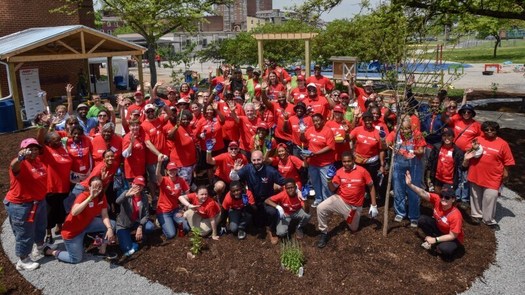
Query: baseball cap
point(338, 108)
point(369, 83)
point(172, 90)
point(29, 141)
point(182, 100)
point(467, 107)
point(300, 105)
point(82, 105)
point(297, 68)
point(139, 180)
point(311, 85)
point(301, 78)
point(233, 144)
point(138, 93)
point(344, 95)
point(171, 166)
point(149, 106)
point(262, 125)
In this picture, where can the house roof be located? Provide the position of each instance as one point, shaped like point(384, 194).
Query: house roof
point(63, 43)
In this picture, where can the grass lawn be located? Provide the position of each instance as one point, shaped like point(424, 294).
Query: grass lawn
point(510, 50)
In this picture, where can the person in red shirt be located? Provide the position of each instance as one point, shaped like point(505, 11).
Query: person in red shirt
point(488, 162)
point(104, 117)
point(281, 73)
point(58, 164)
point(79, 148)
point(280, 109)
point(263, 141)
point(316, 103)
point(299, 93)
point(321, 155)
point(273, 86)
point(230, 130)
point(169, 213)
point(247, 127)
point(466, 129)
point(323, 84)
point(203, 212)
point(134, 151)
point(24, 201)
point(107, 140)
point(293, 124)
point(408, 148)
point(239, 203)
point(186, 92)
point(341, 129)
point(444, 230)
point(183, 145)
point(444, 162)
point(362, 94)
point(138, 105)
point(223, 166)
point(289, 166)
point(349, 184)
point(89, 214)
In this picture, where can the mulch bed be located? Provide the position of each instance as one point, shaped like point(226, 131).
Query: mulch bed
point(362, 262)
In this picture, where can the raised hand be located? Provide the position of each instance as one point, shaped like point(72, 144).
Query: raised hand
point(330, 173)
point(209, 145)
point(69, 87)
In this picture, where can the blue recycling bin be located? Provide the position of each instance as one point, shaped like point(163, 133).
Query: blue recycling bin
point(7, 116)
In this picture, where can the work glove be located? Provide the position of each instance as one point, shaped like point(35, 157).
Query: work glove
point(268, 144)
point(373, 211)
point(382, 133)
point(209, 145)
point(281, 211)
point(245, 200)
point(331, 171)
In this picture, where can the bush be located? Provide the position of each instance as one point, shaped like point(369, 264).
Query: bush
point(292, 257)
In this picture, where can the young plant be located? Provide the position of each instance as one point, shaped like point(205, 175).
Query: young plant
point(196, 241)
point(292, 257)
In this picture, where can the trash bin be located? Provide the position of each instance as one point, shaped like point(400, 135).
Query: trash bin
point(7, 113)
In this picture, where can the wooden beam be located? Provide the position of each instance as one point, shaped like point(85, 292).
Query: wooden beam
point(82, 42)
point(18, 66)
point(16, 96)
point(285, 36)
point(260, 55)
point(67, 46)
point(32, 58)
point(96, 46)
point(307, 58)
point(110, 75)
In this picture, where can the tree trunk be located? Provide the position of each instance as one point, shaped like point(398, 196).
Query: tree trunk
point(497, 43)
point(151, 60)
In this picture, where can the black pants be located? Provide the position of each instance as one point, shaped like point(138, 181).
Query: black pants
point(56, 213)
point(429, 227)
point(264, 216)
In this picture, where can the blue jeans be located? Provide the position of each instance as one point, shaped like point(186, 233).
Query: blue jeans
point(168, 220)
point(463, 190)
point(75, 246)
point(318, 179)
point(70, 200)
point(402, 191)
point(27, 233)
point(239, 219)
point(124, 235)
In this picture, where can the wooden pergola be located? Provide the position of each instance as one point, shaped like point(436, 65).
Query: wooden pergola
point(62, 43)
point(285, 36)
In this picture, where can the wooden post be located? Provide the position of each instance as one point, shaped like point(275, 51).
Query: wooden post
point(16, 97)
point(260, 55)
point(140, 72)
point(307, 57)
point(110, 75)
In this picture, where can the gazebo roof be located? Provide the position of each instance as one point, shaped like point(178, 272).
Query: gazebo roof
point(63, 43)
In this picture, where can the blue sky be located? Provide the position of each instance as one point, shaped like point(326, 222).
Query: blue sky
point(346, 9)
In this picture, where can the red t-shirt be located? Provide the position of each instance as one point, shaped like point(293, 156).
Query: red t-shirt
point(58, 165)
point(182, 147)
point(153, 131)
point(463, 139)
point(208, 209)
point(170, 191)
point(97, 171)
point(236, 204)
point(135, 165)
point(290, 205)
point(294, 122)
point(447, 221)
point(487, 170)
point(289, 168)
point(80, 154)
point(100, 146)
point(341, 145)
point(361, 98)
point(196, 121)
point(30, 184)
point(299, 94)
point(367, 143)
point(321, 82)
point(281, 73)
point(224, 164)
point(273, 91)
point(75, 225)
point(229, 128)
point(278, 111)
point(445, 165)
point(139, 108)
point(267, 117)
point(317, 140)
point(352, 184)
point(319, 105)
point(213, 130)
point(247, 131)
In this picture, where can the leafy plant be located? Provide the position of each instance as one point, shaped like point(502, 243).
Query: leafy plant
point(196, 240)
point(292, 257)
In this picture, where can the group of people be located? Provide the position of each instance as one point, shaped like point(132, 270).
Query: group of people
point(248, 153)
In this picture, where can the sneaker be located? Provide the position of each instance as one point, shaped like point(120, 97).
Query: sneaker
point(299, 234)
point(315, 204)
point(130, 252)
point(323, 240)
point(46, 250)
point(108, 255)
point(135, 247)
point(26, 264)
point(241, 234)
point(398, 218)
point(426, 245)
point(413, 223)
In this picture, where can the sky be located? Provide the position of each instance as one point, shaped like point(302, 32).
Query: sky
point(346, 9)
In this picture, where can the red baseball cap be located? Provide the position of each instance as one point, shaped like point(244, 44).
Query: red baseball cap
point(172, 166)
point(138, 93)
point(338, 108)
point(233, 144)
point(262, 125)
point(139, 180)
point(300, 78)
point(29, 141)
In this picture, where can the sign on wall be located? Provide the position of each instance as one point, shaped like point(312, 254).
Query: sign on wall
point(30, 82)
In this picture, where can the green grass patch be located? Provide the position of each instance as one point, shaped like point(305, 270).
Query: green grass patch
point(510, 50)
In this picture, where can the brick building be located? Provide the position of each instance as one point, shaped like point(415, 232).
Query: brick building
point(234, 15)
point(16, 15)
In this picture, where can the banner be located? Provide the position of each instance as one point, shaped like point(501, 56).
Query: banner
point(30, 82)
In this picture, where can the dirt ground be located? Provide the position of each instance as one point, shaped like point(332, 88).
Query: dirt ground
point(362, 262)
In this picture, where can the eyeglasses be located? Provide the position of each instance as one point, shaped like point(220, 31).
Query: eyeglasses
point(490, 130)
point(452, 107)
point(102, 116)
point(150, 111)
point(233, 149)
point(448, 198)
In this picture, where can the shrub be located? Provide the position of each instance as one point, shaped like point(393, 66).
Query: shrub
point(292, 257)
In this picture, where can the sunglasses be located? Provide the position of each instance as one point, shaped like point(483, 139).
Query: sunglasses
point(150, 111)
point(452, 107)
point(102, 116)
point(448, 198)
point(466, 112)
point(233, 149)
point(490, 130)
